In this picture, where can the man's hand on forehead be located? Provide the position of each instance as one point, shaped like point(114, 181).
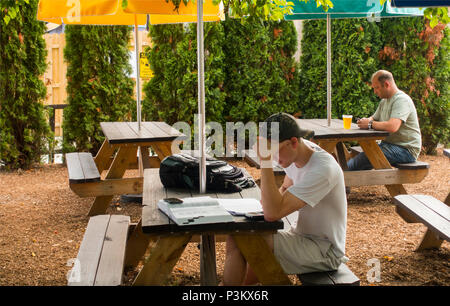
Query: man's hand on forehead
point(266, 149)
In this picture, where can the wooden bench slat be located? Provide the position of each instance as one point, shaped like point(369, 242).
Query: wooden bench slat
point(74, 167)
point(384, 177)
point(315, 279)
point(434, 204)
point(81, 168)
point(414, 165)
point(343, 276)
point(91, 249)
point(110, 268)
point(446, 152)
point(425, 215)
point(89, 167)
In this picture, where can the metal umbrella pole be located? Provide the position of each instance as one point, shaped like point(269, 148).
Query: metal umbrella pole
point(201, 96)
point(208, 273)
point(328, 69)
point(138, 72)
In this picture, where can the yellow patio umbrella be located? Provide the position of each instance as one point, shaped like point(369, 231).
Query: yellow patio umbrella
point(111, 12)
point(135, 12)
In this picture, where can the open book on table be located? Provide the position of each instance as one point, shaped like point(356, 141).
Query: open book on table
point(203, 210)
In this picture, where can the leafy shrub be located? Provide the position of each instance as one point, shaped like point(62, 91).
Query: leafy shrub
point(261, 73)
point(99, 87)
point(418, 57)
point(171, 95)
point(24, 132)
point(355, 44)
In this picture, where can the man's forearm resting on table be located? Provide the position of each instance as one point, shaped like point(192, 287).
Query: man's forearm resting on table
point(390, 126)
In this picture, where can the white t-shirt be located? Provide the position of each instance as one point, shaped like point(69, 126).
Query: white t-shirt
point(320, 183)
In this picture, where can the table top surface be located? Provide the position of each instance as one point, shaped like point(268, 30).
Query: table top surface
point(336, 129)
point(156, 222)
point(128, 132)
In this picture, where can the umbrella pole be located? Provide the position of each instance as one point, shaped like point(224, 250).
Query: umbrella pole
point(201, 96)
point(328, 69)
point(208, 272)
point(138, 73)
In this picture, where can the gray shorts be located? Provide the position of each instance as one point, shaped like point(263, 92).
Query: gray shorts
point(299, 254)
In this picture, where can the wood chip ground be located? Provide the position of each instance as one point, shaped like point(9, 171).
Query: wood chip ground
point(42, 223)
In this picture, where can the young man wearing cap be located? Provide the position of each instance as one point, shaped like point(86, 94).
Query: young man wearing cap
point(314, 186)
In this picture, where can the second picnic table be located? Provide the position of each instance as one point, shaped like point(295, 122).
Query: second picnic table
point(118, 153)
point(331, 138)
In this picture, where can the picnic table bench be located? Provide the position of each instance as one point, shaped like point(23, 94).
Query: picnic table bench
point(404, 173)
point(446, 152)
point(101, 255)
point(343, 276)
point(119, 153)
point(431, 212)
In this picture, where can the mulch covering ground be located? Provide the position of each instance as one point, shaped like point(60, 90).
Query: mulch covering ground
point(42, 223)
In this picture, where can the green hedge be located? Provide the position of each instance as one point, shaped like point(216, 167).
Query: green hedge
point(24, 132)
point(418, 57)
point(99, 85)
point(261, 73)
point(355, 44)
point(250, 71)
point(171, 94)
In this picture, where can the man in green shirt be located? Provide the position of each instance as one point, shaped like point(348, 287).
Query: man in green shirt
point(395, 114)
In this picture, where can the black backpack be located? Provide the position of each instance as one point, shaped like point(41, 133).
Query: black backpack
point(182, 171)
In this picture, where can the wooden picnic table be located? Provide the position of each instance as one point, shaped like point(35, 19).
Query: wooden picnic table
point(119, 152)
point(331, 138)
point(171, 239)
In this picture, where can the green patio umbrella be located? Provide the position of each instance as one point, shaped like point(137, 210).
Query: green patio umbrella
point(371, 9)
point(420, 3)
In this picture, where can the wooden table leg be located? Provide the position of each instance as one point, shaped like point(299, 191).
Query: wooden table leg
point(430, 240)
point(379, 161)
point(164, 149)
point(163, 257)
point(137, 244)
point(341, 156)
point(260, 257)
point(103, 157)
point(118, 167)
point(328, 145)
point(208, 271)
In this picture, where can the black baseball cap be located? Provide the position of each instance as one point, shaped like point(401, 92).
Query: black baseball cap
point(288, 127)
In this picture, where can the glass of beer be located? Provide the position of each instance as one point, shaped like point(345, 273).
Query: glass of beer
point(347, 121)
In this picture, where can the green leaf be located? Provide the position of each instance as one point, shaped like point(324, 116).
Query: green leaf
point(434, 21)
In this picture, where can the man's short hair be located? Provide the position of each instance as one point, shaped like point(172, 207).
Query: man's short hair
point(382, 76)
